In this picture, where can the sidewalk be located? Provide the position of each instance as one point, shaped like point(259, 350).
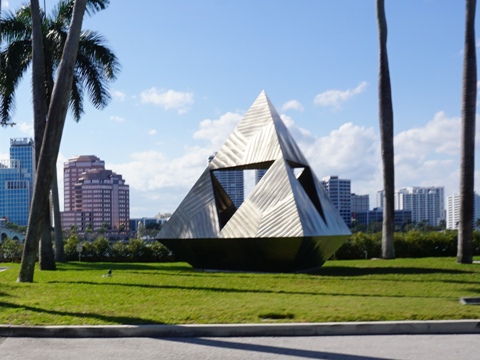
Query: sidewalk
point(249, 330)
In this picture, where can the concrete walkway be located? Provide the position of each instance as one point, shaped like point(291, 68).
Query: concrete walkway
point(247, 330)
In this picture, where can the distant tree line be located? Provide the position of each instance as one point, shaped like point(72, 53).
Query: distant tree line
point(411, 244)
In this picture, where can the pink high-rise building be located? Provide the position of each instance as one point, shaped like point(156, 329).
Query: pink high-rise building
point(94, 197)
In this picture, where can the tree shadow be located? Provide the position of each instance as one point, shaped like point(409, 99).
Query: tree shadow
point(356, 271)
point(88, 266)
point(245, 291)
point(111, 319)
point(281, 351)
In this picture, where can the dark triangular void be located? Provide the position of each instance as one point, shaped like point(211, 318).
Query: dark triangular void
point(225, 205)
point(284, 220)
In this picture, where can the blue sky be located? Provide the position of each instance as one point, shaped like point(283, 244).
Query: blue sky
point(191, 69)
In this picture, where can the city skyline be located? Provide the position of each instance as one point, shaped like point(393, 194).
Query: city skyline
point(186, 82)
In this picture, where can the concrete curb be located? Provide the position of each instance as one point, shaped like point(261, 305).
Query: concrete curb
point(250, 330)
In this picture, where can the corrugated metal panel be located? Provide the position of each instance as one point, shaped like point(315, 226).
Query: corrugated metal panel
point(244, 223)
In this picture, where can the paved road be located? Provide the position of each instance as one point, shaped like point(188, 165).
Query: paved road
point(438, 347)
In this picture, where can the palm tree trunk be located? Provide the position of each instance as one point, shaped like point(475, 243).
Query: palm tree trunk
point(46, 257)
point(386, 135)
point(51, 140)
point(467, 167)
point(59, 248)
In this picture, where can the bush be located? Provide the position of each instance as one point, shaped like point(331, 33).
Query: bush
point(412, 244)
point(101, 248)
point(361, 246)
point(11, 250)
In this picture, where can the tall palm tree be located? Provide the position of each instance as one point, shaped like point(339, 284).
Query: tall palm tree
point(95, 66)
point(57, 111)
point(467, 167)
point(386, 135)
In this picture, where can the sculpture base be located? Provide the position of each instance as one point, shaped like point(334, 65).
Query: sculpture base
point(298, 254)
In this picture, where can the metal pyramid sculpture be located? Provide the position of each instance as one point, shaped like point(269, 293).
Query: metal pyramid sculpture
point(286, 223)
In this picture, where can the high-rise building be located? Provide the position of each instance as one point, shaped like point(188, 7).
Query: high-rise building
point(340, 194)
point(232, 182)
point(94, 196)
point(360, 203)
point(72, 171)
point(453, 210)
point(426, 203)
point(17, 177)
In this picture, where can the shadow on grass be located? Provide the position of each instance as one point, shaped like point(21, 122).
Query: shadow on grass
point(364, 271)
point(242, 291)
point(474, 290)
point(110, 319)
point(88, 266)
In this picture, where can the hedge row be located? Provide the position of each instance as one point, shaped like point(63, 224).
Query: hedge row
point(412, 244)
point(99, 250)
point(135, 250)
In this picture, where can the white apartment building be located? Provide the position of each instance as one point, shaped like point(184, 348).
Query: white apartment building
point(426, 203)
point(453, 210)
point(339, 191)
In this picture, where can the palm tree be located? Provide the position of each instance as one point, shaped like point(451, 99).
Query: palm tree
point(57, 111)
point(467, 167)
point(386, 135)
point(95, 66)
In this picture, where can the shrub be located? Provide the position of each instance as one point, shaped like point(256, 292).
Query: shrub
point(118, 251)
point(11, 250)
point(70, 247)
point(412, 244)
point(101, 248)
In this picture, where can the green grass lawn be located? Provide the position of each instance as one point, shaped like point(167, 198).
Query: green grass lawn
point(174, 293)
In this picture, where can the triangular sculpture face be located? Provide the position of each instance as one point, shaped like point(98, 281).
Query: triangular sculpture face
point(285, 224)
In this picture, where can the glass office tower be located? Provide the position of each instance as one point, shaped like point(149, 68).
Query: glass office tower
point(17, 177)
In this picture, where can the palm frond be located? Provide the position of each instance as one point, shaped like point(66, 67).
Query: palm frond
point(92, 46)
point(15, 61)
point(76, 98)
point(93, 80)
point(15, 28)
point(94, 6)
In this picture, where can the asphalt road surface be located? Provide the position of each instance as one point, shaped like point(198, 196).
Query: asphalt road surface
point(438, 347)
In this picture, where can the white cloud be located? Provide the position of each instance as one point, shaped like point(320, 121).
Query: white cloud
point(424, 156)
point(152, 132)
point(217, 131)
point(334, 98)
point(118, 95)
point(168, 100)
point(430, 155)
point(117, 119)
point(26, 128)
point(292, 105)
point(441, 135)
